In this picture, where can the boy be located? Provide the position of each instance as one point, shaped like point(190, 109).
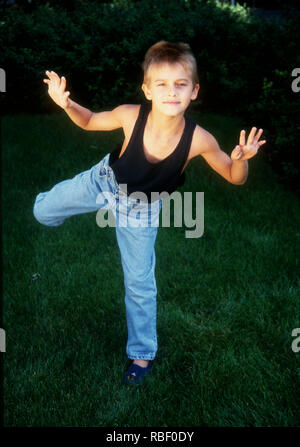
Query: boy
point(159, 142)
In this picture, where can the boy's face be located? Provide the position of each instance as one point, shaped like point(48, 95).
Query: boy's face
point(170, 88)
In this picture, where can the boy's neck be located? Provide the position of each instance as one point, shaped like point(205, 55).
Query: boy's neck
point(165, 126)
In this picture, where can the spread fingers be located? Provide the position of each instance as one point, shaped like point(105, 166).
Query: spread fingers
point(251, 136)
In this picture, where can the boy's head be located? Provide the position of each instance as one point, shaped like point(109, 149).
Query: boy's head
point(170, 77)
point(170, 53)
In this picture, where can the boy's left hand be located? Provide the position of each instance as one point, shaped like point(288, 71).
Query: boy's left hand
point(245, 151)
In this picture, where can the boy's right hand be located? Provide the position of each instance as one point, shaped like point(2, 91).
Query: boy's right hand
point(56, 89)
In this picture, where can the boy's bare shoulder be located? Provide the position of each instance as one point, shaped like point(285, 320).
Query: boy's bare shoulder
point(127, 113)
point(203, 141)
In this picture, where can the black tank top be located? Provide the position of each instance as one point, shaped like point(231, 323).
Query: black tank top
point(134, 170)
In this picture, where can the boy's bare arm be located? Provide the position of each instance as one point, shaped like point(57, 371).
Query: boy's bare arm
point(234, 168)
point(110, 120)
point(82, 116)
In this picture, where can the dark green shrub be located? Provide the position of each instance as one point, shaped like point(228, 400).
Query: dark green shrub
point(245, 63)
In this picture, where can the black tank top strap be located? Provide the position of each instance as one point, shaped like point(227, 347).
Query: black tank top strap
point(139, 124)
point(188, 136)
point(136, 133)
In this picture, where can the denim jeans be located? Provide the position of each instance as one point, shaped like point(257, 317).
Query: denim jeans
point(96, 189)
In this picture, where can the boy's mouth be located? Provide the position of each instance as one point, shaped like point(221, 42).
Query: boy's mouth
point(171, 102)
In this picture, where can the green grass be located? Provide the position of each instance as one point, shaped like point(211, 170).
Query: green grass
point(227, 301)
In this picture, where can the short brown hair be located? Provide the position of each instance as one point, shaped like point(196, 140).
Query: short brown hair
point(169, 52)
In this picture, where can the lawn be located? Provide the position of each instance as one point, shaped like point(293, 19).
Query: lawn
point(227, 302)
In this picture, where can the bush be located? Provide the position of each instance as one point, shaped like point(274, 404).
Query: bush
point(245, 63)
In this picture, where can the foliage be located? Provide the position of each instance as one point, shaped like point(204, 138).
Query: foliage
point(244, 62)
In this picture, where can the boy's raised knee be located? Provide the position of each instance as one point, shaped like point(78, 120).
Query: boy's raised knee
point(39, 217)
point(42, 218)
point(36, 212)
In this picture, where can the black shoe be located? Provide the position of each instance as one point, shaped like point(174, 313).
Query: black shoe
point(136, 373)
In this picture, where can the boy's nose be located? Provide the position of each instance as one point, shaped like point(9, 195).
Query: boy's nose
point(172, 91)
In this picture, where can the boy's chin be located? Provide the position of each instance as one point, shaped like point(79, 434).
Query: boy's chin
point(167, 111)
point(173, 114)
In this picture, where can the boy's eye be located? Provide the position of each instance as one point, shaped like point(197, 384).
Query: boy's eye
point(181, 85)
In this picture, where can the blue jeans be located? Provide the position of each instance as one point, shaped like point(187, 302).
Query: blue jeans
point(97, 189)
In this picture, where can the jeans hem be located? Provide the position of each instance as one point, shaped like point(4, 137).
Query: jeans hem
point(141, 356)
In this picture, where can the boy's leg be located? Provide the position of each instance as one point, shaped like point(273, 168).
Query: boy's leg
point(138, 261)
point(79, 195)
point(75, 196)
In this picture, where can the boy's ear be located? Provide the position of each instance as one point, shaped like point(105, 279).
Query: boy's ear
point(195, 91)
point(146, 91)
